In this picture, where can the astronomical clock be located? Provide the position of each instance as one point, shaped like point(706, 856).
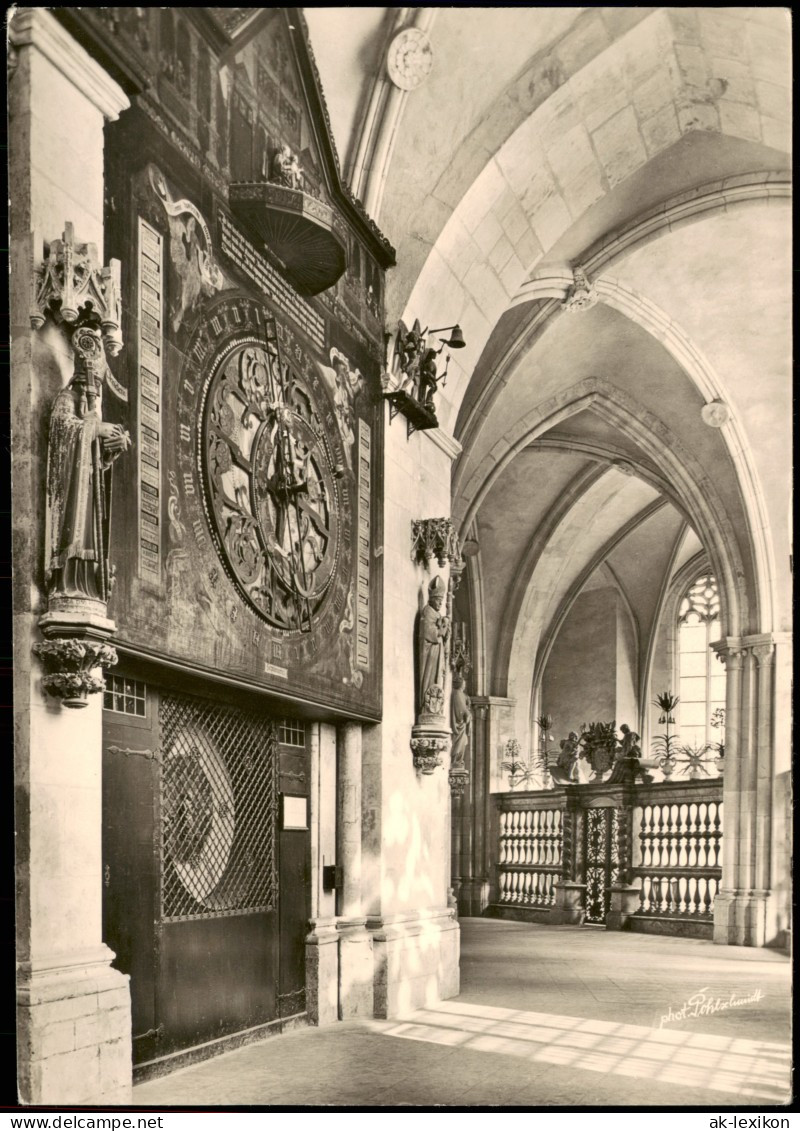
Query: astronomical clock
point(250, 515)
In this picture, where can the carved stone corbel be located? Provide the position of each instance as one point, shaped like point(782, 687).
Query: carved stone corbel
point(69, 663)
point(428, 750)
point(458, 779)
point(582, 294)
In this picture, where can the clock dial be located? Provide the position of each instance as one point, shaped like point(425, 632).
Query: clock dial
point(270, 485)
point(409, 59)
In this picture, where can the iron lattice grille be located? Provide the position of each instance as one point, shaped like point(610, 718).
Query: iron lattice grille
point(602, 861)
point(218, 788)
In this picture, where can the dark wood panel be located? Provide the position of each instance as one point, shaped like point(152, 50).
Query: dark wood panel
point(129, 868)
point(216, 976)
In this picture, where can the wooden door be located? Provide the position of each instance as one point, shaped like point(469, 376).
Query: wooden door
point(192, 858)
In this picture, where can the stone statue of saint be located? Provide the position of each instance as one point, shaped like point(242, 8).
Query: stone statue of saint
point(434, 630)
point(81, 449)
point(460, 722)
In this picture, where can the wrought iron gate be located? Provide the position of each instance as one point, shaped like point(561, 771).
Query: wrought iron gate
point(601, 860)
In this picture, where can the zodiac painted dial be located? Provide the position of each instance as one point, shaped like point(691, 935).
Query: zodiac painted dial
point(270, 482)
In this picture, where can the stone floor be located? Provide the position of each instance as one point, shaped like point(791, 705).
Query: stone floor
point(546, 1017)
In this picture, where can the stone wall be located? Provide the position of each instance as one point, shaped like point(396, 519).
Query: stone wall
point(74, 1029)
point(406, 814)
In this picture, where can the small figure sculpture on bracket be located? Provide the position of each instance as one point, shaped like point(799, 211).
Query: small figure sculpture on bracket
point(461, 721)
point(565, 770)
point(286, 169)
point(627, 763)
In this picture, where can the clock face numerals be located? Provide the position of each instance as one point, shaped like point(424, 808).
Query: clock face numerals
point(409, 59)
point(268, 475)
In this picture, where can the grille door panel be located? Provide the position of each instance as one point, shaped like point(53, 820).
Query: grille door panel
point(218, 810)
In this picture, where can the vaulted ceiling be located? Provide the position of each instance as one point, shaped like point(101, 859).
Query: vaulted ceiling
point(649, 146)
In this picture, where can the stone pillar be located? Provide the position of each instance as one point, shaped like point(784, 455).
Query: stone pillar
point(741, 906)
point(474, 888)
point(355, 943)
point(322, 942)
point(73, 1009)
point(625, 899)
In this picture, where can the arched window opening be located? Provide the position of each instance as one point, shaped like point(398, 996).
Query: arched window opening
point(701, 678)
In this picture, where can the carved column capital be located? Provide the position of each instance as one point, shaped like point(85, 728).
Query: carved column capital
point(730, 652)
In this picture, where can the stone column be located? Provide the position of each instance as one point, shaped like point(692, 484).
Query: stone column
point(322, 949)
point(741, 906)
point(73, 1009)
point(355, 943)
point(473, 896)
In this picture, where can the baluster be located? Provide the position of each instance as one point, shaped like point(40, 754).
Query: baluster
point(644, 898)
point(551, 890)
point(713, 887)
point(503, 855)
point(674, 834)
point(707, 827)
point(655, 905)
point(662, 853)
point(515, 887)
point(702, 896)
point(717, 832)
point(692, 855)
point(501, 882)
point(558, 836)
point(644, 836)
point(681, 894)
point(683, 835)
point(530, 837)
point(702, 835)
point(526, 888)
point(665, 893)
point(673, 894)
point(692, 900)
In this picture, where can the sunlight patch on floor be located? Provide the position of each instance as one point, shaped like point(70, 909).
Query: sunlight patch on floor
point(700, 1060)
